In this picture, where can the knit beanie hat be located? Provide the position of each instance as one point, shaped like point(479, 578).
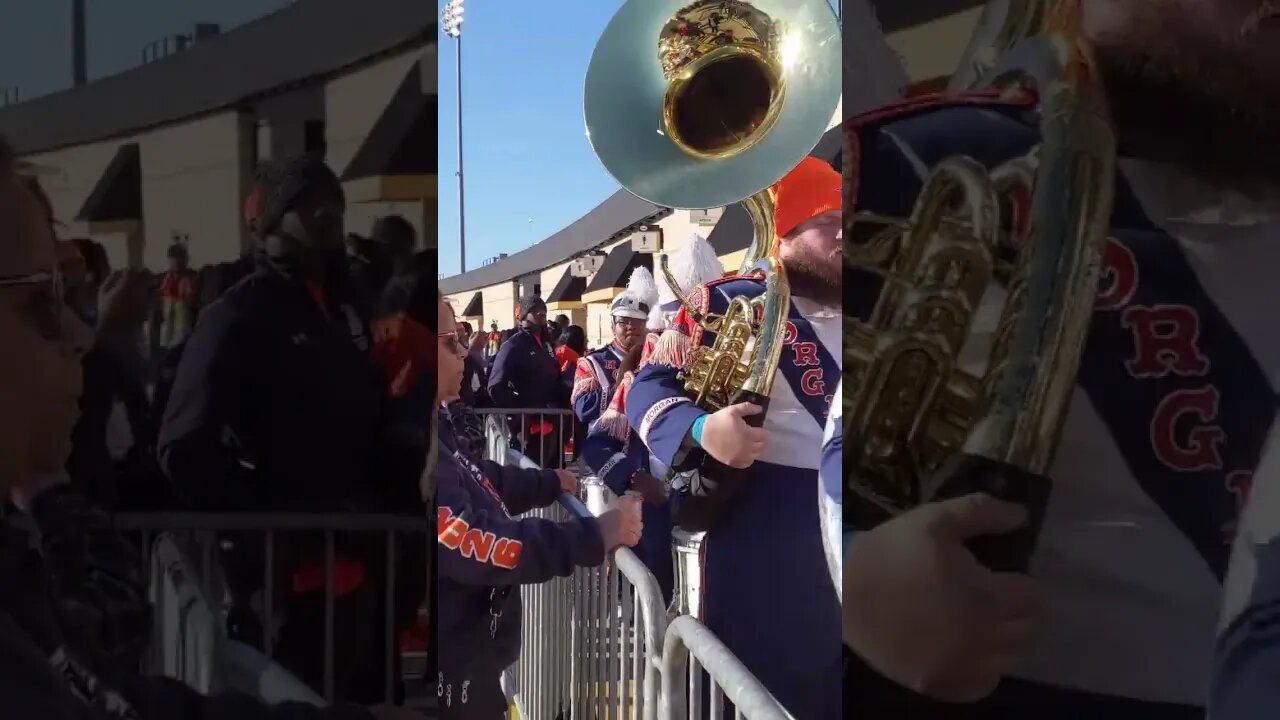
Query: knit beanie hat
point(283, 183)
point(809, 190)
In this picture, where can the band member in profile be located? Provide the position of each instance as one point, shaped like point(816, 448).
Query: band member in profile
point(615, 450)
point(767, 593)
point(1174, 404)
point(597, 373)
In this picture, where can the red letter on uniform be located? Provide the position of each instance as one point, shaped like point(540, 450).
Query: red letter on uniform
point(1164, 341)
point(1200, 451)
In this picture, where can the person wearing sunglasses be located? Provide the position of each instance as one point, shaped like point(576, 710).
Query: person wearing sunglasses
point(486, 551)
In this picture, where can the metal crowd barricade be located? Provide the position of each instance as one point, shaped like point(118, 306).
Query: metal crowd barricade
point(592, 639)
point(532, 439)
point(190, 599)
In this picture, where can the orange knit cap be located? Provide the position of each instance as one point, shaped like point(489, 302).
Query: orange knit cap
point(810, 189)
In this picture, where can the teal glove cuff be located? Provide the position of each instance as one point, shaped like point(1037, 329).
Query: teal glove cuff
point(696, 431)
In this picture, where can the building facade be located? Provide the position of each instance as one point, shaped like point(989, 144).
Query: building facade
point(166, 152)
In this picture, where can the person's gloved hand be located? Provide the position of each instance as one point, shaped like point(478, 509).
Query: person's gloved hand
point(920, 610)
point(650, 488)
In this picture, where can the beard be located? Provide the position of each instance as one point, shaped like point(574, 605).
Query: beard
point(1184, 96)
point(815, 278)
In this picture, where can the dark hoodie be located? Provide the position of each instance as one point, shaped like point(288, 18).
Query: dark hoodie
point(486, 551)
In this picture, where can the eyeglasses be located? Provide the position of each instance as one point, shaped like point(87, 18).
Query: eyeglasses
point(454, 343)
point(47, 307)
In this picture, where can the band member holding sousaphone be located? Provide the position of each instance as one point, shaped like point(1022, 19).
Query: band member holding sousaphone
point(763, 540)
point(1170, 343)
point(740, 93)
point(613, 447)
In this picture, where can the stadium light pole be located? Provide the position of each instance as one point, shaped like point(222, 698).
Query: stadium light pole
point(451, 20)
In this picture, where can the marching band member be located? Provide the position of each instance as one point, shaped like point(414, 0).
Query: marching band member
point(766, 590)
point(597, 373)
point(613, 448)
point(1176, 399)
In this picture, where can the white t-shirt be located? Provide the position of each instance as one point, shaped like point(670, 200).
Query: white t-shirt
point(1133, 600)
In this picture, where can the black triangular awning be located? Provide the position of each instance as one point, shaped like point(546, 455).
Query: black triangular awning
point(568, 289)
point(617, 268)
point(475, 306)
point(733, 232)
point(399, 143)
point(118, 193)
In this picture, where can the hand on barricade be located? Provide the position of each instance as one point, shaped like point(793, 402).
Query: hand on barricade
point(727, 437)
point(921, 610)
point(568, 482)
point(621, 525)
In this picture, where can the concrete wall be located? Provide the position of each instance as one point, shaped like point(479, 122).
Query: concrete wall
point(78, 170)
point(353, 103)
point(194, 180)
point(194, 177)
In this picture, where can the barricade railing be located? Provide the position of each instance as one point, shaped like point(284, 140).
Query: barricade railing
point(592, 641)
point(192, 596)
point(540, 434)
point(582, 644)
point(711, 661)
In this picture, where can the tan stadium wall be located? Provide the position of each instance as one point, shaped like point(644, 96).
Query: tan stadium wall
point(353, 103)
point(193, 184)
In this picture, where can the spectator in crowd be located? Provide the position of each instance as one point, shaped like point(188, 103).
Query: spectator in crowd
point(397, 237)
point(116, 375)
point(492, 342)
point(371, 265)
point(478, 594)
point(474, 390)
point(277, 406)
point(561, 324)
point(44, 672)
point(571, 347)
point(179, 293)
point(525, 375)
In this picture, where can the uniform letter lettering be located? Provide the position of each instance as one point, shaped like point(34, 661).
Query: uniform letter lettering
point(812, 382)
point(806, 354)
point(1200, 450)
point(451, 528)
point(1119, 277)
point(1164, 341)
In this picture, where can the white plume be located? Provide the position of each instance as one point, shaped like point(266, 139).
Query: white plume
point(694, 264)
point(642, 285)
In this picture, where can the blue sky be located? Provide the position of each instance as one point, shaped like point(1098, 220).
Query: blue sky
point(529, 168)
point(35, 35)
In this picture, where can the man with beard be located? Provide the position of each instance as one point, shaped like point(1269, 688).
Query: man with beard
point(766, 590)
point(1174, 405)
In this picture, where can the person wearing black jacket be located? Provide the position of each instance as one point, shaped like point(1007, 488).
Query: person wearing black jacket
point(525, 375)
point(277, 407)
